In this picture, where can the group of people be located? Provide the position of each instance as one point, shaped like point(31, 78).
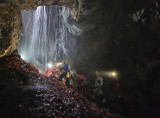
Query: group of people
point(75, 81)
point(63, 74)
point(67, 76)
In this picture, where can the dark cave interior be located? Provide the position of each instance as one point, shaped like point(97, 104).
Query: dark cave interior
point(104, 36)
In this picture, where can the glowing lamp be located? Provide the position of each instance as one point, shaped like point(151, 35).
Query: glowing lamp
point(49, 65)
point(23, 56)
point(113, 74)
point(58, 63)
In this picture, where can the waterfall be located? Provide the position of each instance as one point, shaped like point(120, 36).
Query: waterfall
point(47, 35)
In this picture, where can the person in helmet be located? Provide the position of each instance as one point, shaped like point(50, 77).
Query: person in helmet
point(98, 84)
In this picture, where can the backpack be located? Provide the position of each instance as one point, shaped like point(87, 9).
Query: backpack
point(68, 75)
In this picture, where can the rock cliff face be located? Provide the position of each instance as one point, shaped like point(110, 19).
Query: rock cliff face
point(10, 28)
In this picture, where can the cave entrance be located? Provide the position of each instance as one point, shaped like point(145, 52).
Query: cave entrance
point(47, 36)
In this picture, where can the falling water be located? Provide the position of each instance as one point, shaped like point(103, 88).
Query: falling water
point(47, 35)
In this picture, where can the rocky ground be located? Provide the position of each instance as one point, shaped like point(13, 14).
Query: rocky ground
point(27, 93)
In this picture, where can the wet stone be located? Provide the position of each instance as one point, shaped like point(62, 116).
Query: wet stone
point(29, 94)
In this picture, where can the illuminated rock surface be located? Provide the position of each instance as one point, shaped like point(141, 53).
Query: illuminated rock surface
point(10, 21)
point(27, 93)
